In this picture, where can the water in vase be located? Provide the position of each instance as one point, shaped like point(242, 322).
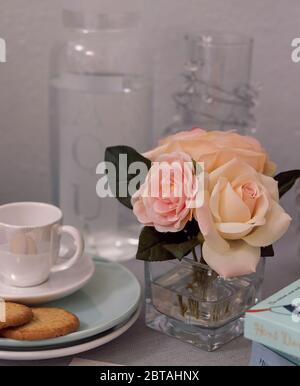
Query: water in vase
point(201, 298)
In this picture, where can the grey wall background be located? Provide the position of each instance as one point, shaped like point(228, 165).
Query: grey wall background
point(31, 26)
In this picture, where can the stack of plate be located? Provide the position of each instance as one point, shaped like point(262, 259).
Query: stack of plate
point(107, 306)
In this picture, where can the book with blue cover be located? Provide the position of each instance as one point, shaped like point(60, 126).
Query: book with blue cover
point(263, 356)
point(275, 322)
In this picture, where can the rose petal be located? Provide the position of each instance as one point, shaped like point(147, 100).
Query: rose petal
point(232, 208)
point(209, 230)
point(270, 168)
point(261, 209)
point(214, 202)
point(140, 212)
point(240, 259)
point(234, 231)
point(162, 207)
point(271, 185)
point(231, 170)
point(277, 223)
point(155, 217)
point(250, 194)
point(165, 229)
point(155, 153)
point(254, 159)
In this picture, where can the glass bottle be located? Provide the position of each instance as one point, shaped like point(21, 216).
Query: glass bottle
point(216, 93)
point(100, 95)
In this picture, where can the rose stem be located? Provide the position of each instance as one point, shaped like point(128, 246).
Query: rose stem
point(202, 261)
point(181, 305)
point(194, 255)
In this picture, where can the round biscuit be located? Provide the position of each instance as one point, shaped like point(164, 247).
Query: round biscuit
point(46, 323)
point(16, 315)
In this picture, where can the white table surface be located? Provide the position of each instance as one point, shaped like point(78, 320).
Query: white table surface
point(143, 346)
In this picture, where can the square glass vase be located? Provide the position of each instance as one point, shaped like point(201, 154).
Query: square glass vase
point(188, 301)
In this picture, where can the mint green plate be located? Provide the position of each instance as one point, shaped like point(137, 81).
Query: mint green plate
point(110, 298)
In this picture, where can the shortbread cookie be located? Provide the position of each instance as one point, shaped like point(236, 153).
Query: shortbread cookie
point(16, 315)
point(46, 323)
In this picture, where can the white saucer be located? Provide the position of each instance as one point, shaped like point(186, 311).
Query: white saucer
point(98, 341)
point(59, 285)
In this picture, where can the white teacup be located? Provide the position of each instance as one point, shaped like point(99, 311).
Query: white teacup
point(30, 235)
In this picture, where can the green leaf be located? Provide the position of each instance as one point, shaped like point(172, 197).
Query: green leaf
point(112, 154)
point(152, 244)
point(183, 249)
point(201, 238)
point(287, 180)
point(192, 229)
point(267, 251)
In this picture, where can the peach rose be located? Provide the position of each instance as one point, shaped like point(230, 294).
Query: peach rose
point(215, 148)
point(163, 200)
point(241, 214)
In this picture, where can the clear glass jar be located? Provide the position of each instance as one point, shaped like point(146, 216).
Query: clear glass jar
point(101, 95)
point(189, 301)
point(216, 93)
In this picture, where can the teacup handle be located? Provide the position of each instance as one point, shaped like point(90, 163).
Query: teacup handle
point(79, 244)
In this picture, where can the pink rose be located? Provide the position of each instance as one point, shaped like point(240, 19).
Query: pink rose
point(215, 148)
point(241, 214)
point(163, 200)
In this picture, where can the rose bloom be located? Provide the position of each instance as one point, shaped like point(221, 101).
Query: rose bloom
point(163, 200)
point(241, 214)
point(215, 148)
